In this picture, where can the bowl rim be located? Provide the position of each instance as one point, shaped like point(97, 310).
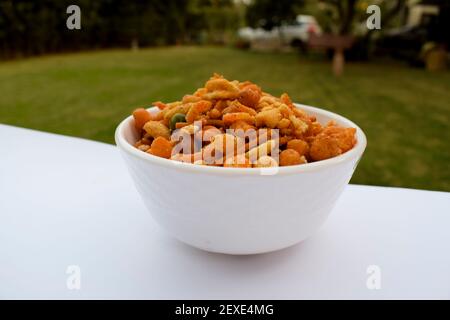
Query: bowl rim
point(356, 151)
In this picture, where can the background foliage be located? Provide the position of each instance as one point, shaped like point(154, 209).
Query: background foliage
point(30, 27)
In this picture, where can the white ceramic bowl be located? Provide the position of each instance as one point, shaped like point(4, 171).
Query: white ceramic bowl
point(237, 210)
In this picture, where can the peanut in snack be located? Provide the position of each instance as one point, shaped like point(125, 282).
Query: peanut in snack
point(236, 124)
point(301, 146)
point(290, 157)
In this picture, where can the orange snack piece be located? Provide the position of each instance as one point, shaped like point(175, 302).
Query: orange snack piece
point(229, 118)
point(249, 97)
point(345, 136)
point(290, 157)
point(324, 147)
point(298, 145)
point(161, 147)
point(197, 109)
point(141, 117)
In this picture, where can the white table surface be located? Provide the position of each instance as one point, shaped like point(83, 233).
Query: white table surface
point(67, 201)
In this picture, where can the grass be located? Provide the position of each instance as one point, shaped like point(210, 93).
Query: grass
point(404, 111)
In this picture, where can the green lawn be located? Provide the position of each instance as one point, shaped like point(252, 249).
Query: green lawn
point(404, 111)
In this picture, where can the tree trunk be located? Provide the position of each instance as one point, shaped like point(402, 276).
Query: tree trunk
point(338, 62)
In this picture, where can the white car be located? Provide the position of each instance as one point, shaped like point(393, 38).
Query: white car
point(295, 33)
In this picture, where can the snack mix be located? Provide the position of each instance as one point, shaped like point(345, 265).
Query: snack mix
point(236, 124)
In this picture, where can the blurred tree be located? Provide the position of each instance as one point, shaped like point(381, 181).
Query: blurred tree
point(268, 14)
point(343, 15)
point(348, 17)
point(29, 27)
point(219, 18)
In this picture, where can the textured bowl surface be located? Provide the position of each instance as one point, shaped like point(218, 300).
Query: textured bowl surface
point(236, 210)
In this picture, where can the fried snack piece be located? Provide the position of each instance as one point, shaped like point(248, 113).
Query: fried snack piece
point(157, 129)
point(189, 98)
point(345, 136)
point(241, 125)
point(218, 88)
point(215, 122)
point(197, 109)
point(266, 162)
point(208, 133)
point(290, 157)
point(331, 142)
point(141, 117)
point(249, 97)
point(287, 100)
point(250, 85)
point(228, 145)
point(169, 112)
point(284, 124)
point(269, 118)
point(298, 145)
point(236, 106)
point(214, 114)
point(314, 129)
point(230, 118)
point(262, 149)
point(143, 147)
point(160, 105)
point(161, 147)
point(298, 124)
point(324, 147)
